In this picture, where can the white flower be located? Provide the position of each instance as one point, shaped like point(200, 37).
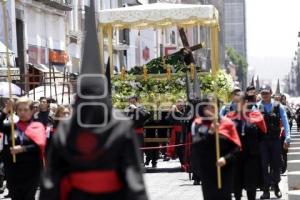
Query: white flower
point(133, 84)
point(180, 81)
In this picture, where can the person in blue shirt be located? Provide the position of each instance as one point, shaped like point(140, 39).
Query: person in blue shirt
point(270, 145)
point(232, 106)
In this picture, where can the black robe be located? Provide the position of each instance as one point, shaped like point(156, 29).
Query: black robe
point(24, 175)
point(43, 117)
point(248, 173)
point(138, 115)
point(47, 121)
point(248, 165)
point(204, 161)
point(182, 119)
point(112, 148)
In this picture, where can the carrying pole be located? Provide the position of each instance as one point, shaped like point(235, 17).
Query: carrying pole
point(11, 112)
point(215, 66)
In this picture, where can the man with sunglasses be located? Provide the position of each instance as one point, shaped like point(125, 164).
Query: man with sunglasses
point(270, 145)
point(232, 106)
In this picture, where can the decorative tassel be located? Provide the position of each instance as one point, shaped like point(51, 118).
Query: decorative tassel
point(169, 72)
point(123, 73)
point(192, 67)
point(145, 70)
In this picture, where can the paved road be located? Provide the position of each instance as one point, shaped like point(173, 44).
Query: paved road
point(168, 183)
point(177, 186)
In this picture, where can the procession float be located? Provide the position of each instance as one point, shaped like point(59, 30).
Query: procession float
point(161, 81)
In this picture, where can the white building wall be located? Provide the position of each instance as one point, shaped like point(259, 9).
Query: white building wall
point(11, 15)
point(132, 51)
point(45, 29)
point(147, 41)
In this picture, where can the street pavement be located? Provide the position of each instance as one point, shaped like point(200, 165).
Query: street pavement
point(177, 186)
point(167, 182)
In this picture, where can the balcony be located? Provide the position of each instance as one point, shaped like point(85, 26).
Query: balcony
point(63, 5)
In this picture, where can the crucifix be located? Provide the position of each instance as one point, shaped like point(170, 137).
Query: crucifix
point(187, 50)
point(185, 54)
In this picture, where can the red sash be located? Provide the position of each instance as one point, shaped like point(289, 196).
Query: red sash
point(254, 117)
point(258, 119)
point(93, 182)
point(139, 131)
point(36, 132)
point(227, 129)
point(172, 141)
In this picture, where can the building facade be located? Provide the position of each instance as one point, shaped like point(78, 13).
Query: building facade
point(235, 25)
point(45, 30)
point(164, 42)
point(138, 47)
point(37, 31)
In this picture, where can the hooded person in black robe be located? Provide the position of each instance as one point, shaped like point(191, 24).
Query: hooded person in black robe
point(139, 116)
point(94, 154)
point(250, 125)
point(204, 150)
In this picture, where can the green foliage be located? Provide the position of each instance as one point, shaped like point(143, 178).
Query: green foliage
point(167, 91)
point(156, 66)
point(239, 61)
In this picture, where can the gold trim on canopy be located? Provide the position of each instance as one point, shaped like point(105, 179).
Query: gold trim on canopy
point(159, 15)
point(162, 15)
point(162, 24)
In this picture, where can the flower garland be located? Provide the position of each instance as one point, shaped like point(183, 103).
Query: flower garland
point(167, 91)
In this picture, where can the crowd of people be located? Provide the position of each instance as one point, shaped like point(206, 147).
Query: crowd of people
point(254, 140)
point(263, 130)
point(23, 175)
point(91, 151)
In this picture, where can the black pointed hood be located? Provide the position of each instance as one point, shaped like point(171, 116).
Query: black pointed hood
point(257, 86)
point(92, 106)
point(196, 86)
point(277, 92)
point(187, 86)
point(108, 77)
point(252, 81)
point(90, 59)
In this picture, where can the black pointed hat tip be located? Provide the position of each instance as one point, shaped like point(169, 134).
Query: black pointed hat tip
point(252, 81)
point(278, 88)
point(91, 63)
point(196, 85)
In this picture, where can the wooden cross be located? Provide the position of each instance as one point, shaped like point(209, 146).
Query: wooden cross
point(186, 51)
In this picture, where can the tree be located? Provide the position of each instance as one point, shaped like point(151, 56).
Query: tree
point(241, 63)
